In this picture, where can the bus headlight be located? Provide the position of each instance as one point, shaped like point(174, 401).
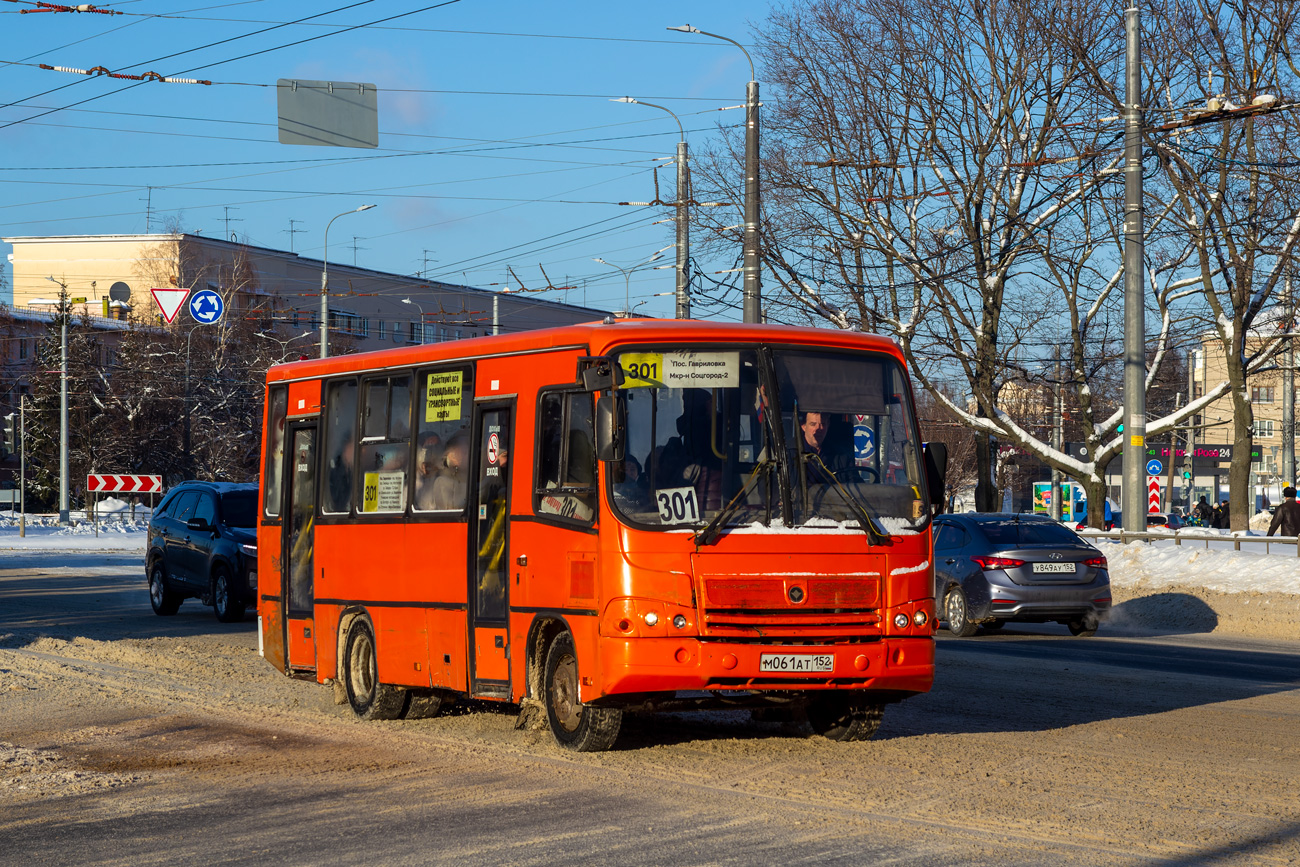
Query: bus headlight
point(919, 618)
point(900, 620)
point(651, 618)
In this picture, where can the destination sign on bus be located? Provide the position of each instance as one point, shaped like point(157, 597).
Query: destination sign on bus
point(681, 369)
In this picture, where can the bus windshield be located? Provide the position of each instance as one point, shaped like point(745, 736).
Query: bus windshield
point(775, 436)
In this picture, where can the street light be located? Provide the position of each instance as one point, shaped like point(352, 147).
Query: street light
point(421, 309)
point(627, 275)
point(64, 305)
point(753, 307)
point(324, 284)
point(683, 297)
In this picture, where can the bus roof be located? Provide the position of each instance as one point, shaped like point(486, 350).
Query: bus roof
point(598, 338)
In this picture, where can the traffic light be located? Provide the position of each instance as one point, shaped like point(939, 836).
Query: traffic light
point(10, 444)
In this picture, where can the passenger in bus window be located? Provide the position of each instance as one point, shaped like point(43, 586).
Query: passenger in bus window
point(452, 484)
point(427, 468)
point(340, 476)
point(688, 458)
point(630, 489)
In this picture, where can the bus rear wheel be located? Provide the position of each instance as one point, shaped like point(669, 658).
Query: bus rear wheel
point(578, 727)
point(369, 698)
point(841, 717)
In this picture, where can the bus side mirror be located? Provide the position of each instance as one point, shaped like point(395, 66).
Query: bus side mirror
point(936, 471)
point(609, 429)
point(598, 373)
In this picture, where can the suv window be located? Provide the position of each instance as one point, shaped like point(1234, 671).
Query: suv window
point(206, 509)
point(184, 508)
point(239, 509)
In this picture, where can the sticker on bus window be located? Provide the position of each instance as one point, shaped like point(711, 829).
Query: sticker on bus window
point(702, 369)
point(864, 441)
point(677, 505)
point(442, 396)
point(642, 369)
point(384, 492)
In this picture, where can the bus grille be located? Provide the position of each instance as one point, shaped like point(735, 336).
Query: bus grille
point(760, 607)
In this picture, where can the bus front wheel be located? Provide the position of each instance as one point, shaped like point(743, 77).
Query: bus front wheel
point(369, 698)
point(842, 717)
point(576, 726)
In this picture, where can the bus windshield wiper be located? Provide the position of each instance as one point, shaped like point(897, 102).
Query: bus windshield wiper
point(867, 516)
point(713, 530)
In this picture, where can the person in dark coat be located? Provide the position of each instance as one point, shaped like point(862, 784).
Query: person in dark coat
point(1204, 513)
point(1222, 517)
point(1287, 516)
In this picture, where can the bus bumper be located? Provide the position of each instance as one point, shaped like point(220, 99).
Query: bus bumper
point(648, 665)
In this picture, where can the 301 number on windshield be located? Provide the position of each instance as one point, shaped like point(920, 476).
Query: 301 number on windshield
point(677, 505)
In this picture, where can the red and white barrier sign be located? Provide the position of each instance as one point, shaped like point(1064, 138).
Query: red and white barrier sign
point(1153, 493)
point(106, 484)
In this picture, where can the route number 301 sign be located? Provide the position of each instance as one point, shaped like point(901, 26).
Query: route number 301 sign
point(677, 505)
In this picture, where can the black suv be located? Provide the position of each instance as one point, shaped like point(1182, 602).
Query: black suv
point(203, 544)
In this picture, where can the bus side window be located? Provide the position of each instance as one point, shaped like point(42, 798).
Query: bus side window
point(341, 446)
point(565, 486)
point(275, 420)
point(386, 446)
point(442, 414)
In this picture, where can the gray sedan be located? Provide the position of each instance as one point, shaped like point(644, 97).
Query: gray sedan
point(993, 568)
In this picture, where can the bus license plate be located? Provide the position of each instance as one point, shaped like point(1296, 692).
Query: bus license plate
point(796, 663)
point(1054, 567)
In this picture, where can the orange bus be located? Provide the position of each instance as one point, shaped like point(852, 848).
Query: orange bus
point(628, 515)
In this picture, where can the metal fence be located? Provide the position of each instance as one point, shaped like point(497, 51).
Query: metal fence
point(1286, 545)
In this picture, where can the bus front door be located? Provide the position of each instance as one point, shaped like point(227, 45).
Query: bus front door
point(489, 539)
point(299, 541)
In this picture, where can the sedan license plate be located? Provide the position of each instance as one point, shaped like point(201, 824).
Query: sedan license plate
point(796, 663)
point(1054, 567)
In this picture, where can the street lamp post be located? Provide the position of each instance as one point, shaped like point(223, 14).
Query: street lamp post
point(64, 308)
point(627, 275)
point(1135, 370)
point(683, 298)
point(421, 309)
point(324, 284)
point(753, 303)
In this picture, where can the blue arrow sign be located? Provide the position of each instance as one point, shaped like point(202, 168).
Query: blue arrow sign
point(206, 307)
point(1154, 468)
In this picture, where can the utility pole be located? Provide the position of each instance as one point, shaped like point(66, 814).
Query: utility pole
point(292, 232)
point(1288, 392)
point(1057, 435)
point(1135, 369)
point(22, 464)
point(683, 295)
point(1191, 431)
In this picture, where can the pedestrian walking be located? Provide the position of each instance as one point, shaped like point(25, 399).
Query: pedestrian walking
point(1287, 516)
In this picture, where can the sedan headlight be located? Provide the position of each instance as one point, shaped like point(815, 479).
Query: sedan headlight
point(248, 550)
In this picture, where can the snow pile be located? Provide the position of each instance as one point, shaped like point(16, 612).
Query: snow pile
point(1159, 567)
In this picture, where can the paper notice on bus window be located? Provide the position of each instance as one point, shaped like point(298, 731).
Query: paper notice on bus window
point(642, 369)
point(702, 369)
point(384, 492)
point(442, 397)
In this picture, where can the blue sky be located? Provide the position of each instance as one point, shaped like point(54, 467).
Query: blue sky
point(498, 143)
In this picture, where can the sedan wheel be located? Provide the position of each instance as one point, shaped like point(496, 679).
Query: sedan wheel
point(957, 614)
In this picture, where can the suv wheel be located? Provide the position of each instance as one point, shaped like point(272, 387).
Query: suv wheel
point(162, 597)
point(223, 600)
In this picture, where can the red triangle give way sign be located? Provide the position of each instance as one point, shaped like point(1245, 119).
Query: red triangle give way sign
point(169, 301)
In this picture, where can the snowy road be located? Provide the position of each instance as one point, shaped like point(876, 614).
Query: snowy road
point(133, 739)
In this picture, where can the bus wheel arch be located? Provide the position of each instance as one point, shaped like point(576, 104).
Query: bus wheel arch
point(359, 671)
point(542, 632)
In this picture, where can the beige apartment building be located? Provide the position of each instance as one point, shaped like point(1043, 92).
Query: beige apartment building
point(116, 273)
point(1266, 398)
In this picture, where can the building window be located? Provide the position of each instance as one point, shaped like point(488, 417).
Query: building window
point(1263, 427)
point(22, 347)
point(379, 332)
point(415, 333)
point(1261, 394)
